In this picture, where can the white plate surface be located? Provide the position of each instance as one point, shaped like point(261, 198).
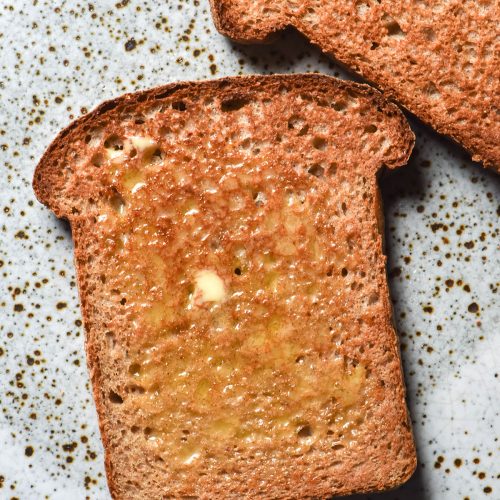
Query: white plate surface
point(59, 59)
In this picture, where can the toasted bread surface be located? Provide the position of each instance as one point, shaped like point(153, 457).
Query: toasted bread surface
point(228, 245)
point(439, 59)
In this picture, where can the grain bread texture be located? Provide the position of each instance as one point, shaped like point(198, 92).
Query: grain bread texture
point(229, 251)
point(439, 59)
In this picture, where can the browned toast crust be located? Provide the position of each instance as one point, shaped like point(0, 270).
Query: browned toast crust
point(322, 140)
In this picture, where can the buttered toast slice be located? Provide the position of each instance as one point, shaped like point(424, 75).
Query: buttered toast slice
point(228, 245)
point(439, 58)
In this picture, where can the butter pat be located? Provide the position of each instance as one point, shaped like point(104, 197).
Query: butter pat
point(209, 287)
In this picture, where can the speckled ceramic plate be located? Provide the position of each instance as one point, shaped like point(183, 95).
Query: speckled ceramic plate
point(59, 59)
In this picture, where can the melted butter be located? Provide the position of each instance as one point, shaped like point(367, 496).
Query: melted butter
point(133, 180)
point(226, 345)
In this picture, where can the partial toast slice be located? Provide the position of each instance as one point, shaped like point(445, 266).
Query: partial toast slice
point(439, 59)
point(228, 245)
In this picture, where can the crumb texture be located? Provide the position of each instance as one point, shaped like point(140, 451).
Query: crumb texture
point(229, 255)
point(437, 58)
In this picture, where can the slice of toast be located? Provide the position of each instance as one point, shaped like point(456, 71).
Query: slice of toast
point(228, 246)
point(437, 58)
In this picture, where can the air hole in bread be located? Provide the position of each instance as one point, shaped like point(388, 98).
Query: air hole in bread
point(237, 271)
point(115, 398)
point(339, 106)
point(233, 104)
point(245, 143)
point(329, 273)
point(139, 120)
point(319, 143)
point(317, 170)
point(165, 131)
point(134, 369)
point(392, 27)
point(303, 131)
point(166, 93)
point(432, 91)
point(88, 138)
point(148, 431)
point(114, 143)
point(259, 198)
point(117, 202)
point(373, 298)
point(344, 272)
point(108, 106)
point(123, 301)
point(294, 122)
point(370, 129)
point(179, 106)
point(300, 360)
point(429, 34)
point(110, 338)
point(344, 208)
point(97, 160)
point(305, 431)
point(374, 46)
point(332, 169)
point(338, 447)
point(136, 389)
point(152, 157)
point(134, 429)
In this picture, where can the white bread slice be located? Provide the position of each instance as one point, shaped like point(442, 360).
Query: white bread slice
point(228, 245)
point(439, 58)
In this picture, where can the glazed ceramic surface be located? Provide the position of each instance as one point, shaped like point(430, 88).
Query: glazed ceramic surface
point(60, 59)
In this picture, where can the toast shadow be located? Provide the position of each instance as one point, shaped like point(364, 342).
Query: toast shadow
point(287, 53)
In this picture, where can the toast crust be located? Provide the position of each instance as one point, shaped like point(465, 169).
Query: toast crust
point(456, 94)
point(61, 182)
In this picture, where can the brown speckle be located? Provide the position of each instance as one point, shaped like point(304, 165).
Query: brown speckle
point(473, 308)
point(130, 45)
